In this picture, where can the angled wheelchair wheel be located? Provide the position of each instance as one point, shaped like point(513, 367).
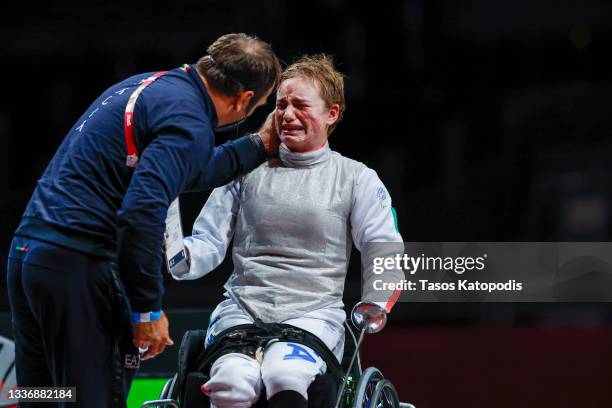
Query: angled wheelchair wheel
point(384, 396)
point(366, 387)
point(168, 389)
point(162, 403)
point(166, 399)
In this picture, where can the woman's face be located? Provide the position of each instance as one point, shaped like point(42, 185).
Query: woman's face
point(301, 115)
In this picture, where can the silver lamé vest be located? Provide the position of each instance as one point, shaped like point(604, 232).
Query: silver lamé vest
point(292, 238)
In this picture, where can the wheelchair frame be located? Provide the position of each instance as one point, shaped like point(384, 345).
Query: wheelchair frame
point(369, 390)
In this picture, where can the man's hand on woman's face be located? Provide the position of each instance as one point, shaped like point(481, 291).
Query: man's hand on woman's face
point(269, 136)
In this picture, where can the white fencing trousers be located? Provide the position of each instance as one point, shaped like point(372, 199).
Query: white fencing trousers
point(236, 380)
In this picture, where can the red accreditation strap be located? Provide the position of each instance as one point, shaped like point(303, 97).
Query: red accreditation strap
point(128, 120)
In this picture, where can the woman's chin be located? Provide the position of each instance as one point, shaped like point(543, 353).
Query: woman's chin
point(292, 141)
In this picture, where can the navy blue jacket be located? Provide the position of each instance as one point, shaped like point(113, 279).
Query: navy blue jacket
point(89, 200)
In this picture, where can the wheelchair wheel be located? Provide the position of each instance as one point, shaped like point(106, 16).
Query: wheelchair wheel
point(366, 387)
point(166, 392)
point(165, 396)
point(384, 396)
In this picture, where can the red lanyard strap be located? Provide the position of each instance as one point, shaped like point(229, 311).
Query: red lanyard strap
point(128, 120)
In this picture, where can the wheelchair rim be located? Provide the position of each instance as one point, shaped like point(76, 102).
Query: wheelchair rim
point(366, 387)
point(167, 390)
point(385, 395)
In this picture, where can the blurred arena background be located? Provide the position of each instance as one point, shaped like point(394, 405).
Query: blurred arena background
point(487, 120)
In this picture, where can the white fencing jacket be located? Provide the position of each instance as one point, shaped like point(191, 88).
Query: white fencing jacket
point(293, 221)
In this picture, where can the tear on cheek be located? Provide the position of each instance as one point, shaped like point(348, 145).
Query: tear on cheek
point(311, 122)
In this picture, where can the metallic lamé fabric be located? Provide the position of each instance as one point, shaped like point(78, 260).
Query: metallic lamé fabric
point(292, 240)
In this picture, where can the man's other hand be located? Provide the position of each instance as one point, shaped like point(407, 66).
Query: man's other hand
point(152, 336)
point(269, 136)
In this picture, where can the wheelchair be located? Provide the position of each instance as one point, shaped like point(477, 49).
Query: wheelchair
point(346, 383)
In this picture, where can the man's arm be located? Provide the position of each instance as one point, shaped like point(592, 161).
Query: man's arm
point(181, 156)
point(244, 153)
point(212, 231)
point(375, 235)
point(229, 160)
point(165, 166)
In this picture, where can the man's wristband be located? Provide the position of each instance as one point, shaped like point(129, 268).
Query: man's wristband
point(255, 138)
point(146, 317)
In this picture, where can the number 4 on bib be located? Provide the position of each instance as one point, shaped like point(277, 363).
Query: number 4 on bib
point(299, 352)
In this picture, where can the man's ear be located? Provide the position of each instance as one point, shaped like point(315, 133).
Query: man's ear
point(242, 100)
point(334, 114)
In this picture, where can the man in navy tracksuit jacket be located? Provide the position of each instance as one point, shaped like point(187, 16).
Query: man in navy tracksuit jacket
point(84, 267)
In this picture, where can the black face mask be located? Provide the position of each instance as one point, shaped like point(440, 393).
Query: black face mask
point(231, 130)
point(230, 126)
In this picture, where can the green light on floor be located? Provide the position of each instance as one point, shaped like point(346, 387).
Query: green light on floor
point(145, 389)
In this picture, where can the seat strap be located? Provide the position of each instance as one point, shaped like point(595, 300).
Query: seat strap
point(260, 334)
